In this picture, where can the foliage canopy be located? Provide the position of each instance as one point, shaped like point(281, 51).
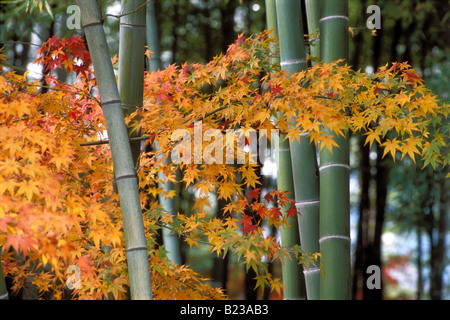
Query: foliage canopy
point(57, 205)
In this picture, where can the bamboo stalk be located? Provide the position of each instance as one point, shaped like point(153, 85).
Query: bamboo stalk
point(303, 153)
point(131, 63)
point(125, 175)
point(288, 31)
point(334, 169)
point(154, 63)
point(312, 17)
point(170, 238)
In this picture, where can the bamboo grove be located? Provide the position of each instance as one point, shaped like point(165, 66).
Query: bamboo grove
point(80, 218)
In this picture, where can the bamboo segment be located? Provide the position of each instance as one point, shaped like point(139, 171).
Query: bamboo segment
point(293, 282)
point(154, 63)
point(131, 63)
point(303, 153)
point(170, 238)
point(292, 59)
point(312, 17)
point(334, 169)
point(136, 247)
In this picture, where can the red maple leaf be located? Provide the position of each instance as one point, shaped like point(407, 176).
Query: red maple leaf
point(277, 90)
point(269, 197)
point(292, 211)
point(275, 212)
point(377, 89)
point(254, 194)
point(248, 226)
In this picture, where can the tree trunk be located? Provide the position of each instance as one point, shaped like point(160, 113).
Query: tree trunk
point(437, 260)
point(364, 213)
point(125, 175)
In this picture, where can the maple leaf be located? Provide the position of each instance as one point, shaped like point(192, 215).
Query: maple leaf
point(275, 212)
point(201, 202)
point(292, 211)
point(20, 242)
point(248, 226)
point(254, 194)
point(371, 136)
point(269, 197)
point(29, 188)
point(410, 147)
point(328, 141)
point(390, 145)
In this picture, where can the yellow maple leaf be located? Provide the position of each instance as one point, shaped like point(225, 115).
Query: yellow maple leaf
point(371, 136)
point(390, 145)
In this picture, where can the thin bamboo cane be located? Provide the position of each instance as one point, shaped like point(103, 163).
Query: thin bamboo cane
point(170, 238)
point(312, 17)
point(154, 63)
point(136, 246)
point(334, 169)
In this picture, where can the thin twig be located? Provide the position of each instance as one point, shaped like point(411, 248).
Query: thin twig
point(130, 12)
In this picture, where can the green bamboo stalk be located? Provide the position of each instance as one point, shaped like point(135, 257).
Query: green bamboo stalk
point(154, 63)
point(312, 17)
point(334, 169)
point(131, 63)
point(3, 290)
point(303, 153)
point(170, 238)
point(293, 279)
point(125, 175)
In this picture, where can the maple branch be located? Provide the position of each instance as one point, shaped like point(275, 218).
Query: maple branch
point(81, 93)
point(96, 143)
point(163, 225)
point(20, 42)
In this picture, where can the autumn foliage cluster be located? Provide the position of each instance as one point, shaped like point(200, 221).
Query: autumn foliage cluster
point(57, 203)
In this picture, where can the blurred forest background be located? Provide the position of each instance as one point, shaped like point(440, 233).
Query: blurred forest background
point(399, 215)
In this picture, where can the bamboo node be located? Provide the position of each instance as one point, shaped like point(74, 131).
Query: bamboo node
point(334, 236)
point(304, 203)
point(331, 165)
point(292, 62)
point(102, 104)
point(128, 176)
point(93, 24)
point(311, 270)
point(136, 249)
point(336, 16)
